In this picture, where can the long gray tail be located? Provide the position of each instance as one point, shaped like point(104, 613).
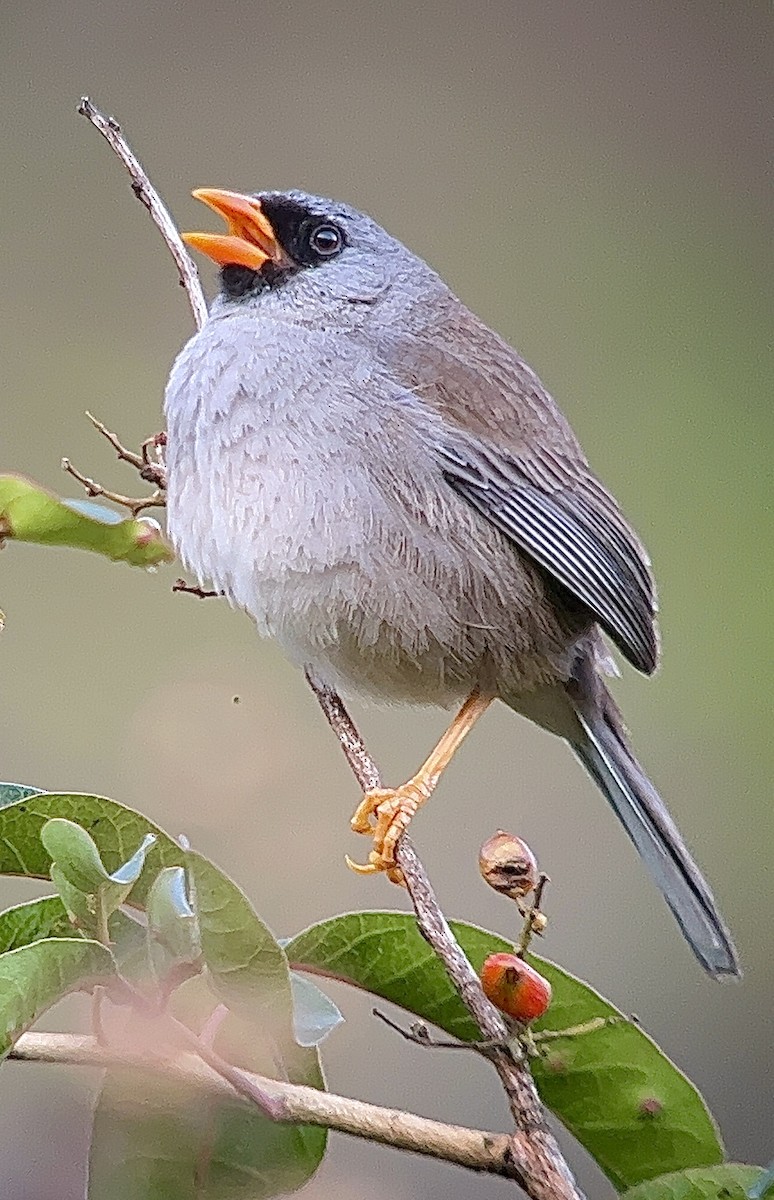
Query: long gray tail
point(606, 755)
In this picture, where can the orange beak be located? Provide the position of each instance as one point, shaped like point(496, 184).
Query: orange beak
point(250, 241)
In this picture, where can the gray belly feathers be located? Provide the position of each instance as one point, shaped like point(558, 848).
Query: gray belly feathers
point(307, 508)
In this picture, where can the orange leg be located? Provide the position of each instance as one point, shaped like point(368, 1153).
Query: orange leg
point(393, 808)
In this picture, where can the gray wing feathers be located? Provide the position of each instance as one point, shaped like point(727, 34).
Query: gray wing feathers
point(575, 533)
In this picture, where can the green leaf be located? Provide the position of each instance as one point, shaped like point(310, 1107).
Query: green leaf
point(32, 921)
point(147, 1139)
point(314, 1014)
point(116, 830)
point(35, 976)
point(75, 853)
point(171, 920)
point(157, 1141)
point(81, 908)
point(30, 513)
point(249, 972)
point(47, 918)
point(729, 1182)
point(247, 966)
point(88, 892)
point(631, 1108)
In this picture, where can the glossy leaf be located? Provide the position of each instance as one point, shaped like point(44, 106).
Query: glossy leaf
point(30, 513)
point(116, 830)
point(632, 1109)
point(35, 976)
point(728, 1182)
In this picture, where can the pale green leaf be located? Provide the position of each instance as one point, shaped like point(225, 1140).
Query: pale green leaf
point(30, 513)
point(171, 919)
point(75, 853)
point(314, 1014)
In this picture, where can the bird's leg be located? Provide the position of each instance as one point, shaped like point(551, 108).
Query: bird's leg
point(393, 808)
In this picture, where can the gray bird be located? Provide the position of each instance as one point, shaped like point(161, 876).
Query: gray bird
point(389, 491)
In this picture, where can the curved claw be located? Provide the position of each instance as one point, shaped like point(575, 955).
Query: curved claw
point(369, 868)
point(377, 866)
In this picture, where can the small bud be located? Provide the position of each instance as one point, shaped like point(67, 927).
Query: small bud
point(538, 923)
point(515, 987)
point(508, 865)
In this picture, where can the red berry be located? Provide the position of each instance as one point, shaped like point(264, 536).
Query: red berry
point(515, 987)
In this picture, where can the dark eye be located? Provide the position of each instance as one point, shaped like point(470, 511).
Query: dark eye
point(326, 240)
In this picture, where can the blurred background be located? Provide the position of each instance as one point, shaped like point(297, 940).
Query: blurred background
point(590, 178)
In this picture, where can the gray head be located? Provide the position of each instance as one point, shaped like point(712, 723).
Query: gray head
point(317, 256)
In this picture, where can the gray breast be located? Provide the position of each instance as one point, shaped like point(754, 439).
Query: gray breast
point(304, 485)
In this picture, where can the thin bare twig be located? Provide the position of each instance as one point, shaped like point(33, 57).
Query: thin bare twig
point(134, 504)
point(147, 195)
point(419, 1035)
point(478, 1150)
point(543, 1169)
point(193, 589)
point(124, 455)
point(151, 471)
point(534, 918)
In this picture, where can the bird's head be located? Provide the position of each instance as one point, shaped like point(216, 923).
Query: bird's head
point(306, 252)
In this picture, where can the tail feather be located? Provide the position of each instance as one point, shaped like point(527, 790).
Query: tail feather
point(604, 751)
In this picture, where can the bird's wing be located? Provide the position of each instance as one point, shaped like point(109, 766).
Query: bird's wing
point(576, 534)
point(507, 449)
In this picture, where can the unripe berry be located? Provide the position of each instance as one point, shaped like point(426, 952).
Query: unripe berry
point(515, 987)
point(508, 865)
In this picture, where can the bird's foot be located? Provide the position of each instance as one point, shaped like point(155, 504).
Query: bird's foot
point(392, 810)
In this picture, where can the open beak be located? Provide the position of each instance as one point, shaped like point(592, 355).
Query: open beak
point(250, 241)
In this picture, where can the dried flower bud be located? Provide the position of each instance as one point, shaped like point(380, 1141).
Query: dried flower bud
point(515, 987)
point(508, 865)
point(538, 923)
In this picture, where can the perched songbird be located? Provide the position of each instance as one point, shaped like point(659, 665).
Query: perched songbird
point(387, 489)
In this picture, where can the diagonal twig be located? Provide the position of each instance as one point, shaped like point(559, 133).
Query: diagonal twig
point(544, 1172)
point(149, 197)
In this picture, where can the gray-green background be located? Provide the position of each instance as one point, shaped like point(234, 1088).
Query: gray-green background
point(590, 177)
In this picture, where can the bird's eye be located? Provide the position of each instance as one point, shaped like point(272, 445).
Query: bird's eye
point(326, 240)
